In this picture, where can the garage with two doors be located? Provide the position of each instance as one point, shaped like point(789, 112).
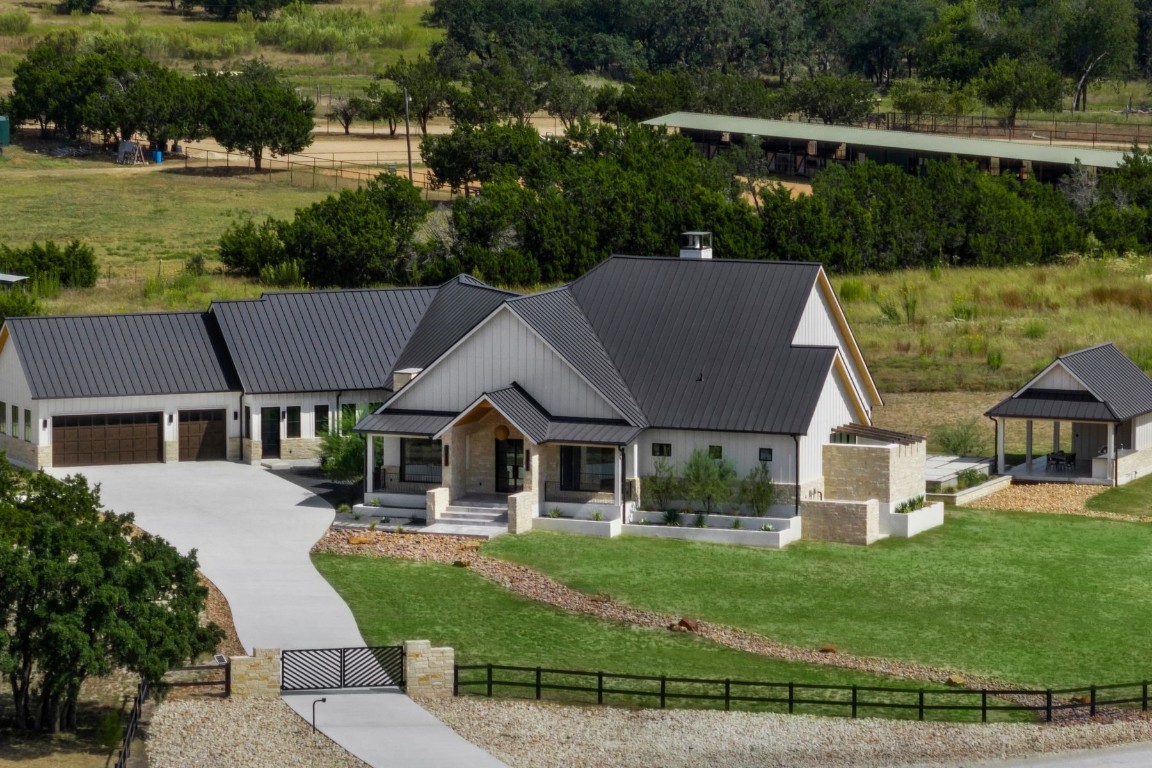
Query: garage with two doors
point(136, 438)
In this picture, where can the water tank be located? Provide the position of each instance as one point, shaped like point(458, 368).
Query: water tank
point(5, 131)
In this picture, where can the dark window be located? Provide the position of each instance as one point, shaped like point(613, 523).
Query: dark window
point(585, 468)
point(765, 454)
point(3, 418)
point(15, 421)
point(293, 421)
point(419, 460)
point(321, 420)
point(247, 421)
point(661, 449)
point(839, 438)
point(27, 425)
point(446, 452)
point(715, 452)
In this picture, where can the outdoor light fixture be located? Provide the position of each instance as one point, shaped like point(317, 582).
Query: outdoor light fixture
point(527, 460)
point(283, 415)
point(314, 703)
point(235, 415)
point(169, 418)
point(501, 432)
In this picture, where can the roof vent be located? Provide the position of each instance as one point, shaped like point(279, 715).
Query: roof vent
point(696, 245)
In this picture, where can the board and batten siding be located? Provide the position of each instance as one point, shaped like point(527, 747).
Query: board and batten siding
point(818, 328)
point(501, 351)
point(1057, 378)
point(834, 409)
point(741, 448)
point(307, 402)
point(167, 404)
point(1142, 432)
point(14, 390)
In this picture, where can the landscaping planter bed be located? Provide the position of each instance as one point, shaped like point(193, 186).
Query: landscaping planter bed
point(907, 524)
point(976, 492)
point(603, 528)
point(718, 529)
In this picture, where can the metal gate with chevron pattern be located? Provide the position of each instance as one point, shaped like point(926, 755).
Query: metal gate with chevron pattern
point(327, 668)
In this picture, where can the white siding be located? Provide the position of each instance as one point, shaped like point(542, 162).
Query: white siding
point(500, 352)
point(741, 448)
point(818, 328)
point(833, 410)
point(167, 404)
point(307, 401)
point(14, 391)
point(1057, 378)
point(1142, 427)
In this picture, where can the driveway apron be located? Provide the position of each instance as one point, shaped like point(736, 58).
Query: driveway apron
point(252, 532)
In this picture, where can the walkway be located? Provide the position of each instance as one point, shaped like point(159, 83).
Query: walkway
point(252, 532)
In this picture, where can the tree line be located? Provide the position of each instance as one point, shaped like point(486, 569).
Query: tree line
point(550, 208)
point(69, 85)
point(84, 593)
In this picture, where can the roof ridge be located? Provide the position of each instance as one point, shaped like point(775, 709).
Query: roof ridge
point(678, 259)
point(1089, 349)
point(154, 313)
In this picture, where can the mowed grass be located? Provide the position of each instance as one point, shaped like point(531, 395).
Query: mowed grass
point(1135, 498)
point(1038, 600)
point(397, 600)
point(990, 330)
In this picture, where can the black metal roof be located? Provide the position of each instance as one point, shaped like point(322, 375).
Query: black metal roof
point(399, 422)
point(320, 341)
point(459, 306)
point(161, 353)
point(558, 319)
point(707, 344)
point(527, 414)
point(1117, 390)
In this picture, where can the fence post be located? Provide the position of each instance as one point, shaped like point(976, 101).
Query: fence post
point(343, 656)
point(455, 679)
point(853, 701)
point(489, 681)
point(599, 687)
point(727, 694)
point(921, 707)
point(537, 683)
point(983, 705)
point(1092, 704)
point(1144, 696)
point(228, 679)
point(791, 699)
point(1048, 705)
point(663, 690)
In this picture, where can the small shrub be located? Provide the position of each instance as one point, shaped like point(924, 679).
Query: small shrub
point(701, 520)
point(737, 524)
point(672, 518)
point(385, 520)
point(109, 731)
point(888, 310)
point(642, 521)
point(960, 439)
point(372, 525)
point(970, 478)
point(1035, 329)
point(995, 358)
point(598, 516)
point(768, 528)
point(343, 508)
point(15, 23)
point(910, 299)
point(853, 291)
point(286, 274)
point(964, 309)
point(661, 486)
point(194, 264)
point(708, 481)
point(553, 513)
point(757, 490)
point(399, 529)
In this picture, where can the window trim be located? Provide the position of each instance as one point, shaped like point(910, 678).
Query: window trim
point(662, 450)
point(765, 460)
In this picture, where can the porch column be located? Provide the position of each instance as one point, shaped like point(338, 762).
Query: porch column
point(370, 464)
point(1028, 445)
point(1112, 453)
point(1055, 436)
point(618, 480)
point(1000, 468)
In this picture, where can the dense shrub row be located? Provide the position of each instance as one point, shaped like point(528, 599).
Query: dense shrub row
point(72, 266)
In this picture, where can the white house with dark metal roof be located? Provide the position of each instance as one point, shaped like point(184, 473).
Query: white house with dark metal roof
point(562, 400)
point(1105, 401)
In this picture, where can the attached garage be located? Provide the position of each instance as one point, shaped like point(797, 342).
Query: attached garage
point(112, 438)
point(203, 435)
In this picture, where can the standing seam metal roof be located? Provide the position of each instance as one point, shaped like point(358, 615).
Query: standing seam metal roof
point(160, 353)
point(459, 305)
point(707, 344)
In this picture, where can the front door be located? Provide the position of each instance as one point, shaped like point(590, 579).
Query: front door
point(509, 466)
point(270, 433)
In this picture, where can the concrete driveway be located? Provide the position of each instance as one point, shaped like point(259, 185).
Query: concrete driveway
point(252, 531)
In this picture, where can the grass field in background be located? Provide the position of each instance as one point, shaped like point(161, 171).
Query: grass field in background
point(395, 600)
point(1035, 599)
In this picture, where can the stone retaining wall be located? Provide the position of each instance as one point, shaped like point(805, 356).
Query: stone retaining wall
point(256, 677)
point(522, 509)
point(847, 522)
point(23, 453)
point(428, 671)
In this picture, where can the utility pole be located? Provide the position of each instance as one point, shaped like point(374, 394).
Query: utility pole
point(408, 133)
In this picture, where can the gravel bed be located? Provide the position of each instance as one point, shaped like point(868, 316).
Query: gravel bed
point(1058, 498)
point(542, 735)
point(239, 733)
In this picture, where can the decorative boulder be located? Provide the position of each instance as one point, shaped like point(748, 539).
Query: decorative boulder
point(828, 648)
point(690, 625)
point(955, 681)
point(462, 563)
point(359, 540)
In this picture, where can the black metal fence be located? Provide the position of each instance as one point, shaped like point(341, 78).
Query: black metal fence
point(363, 667)
point(132, 725)
point(853, 701)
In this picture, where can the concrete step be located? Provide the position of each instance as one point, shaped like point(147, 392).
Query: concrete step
point(477, 513)
point(459, 517)
point(469, 530)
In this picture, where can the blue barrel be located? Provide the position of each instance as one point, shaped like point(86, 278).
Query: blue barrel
point(5, 131)
point(158, 157)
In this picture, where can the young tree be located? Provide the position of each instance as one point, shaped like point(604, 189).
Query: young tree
point(834, 100)
point(757, 489)
point(708, 481)
point(343, 453)
point(1020, 84)
point(568, 98)
point(426, 86)
point(344, 111)
point(383, 102)
point(254, 111)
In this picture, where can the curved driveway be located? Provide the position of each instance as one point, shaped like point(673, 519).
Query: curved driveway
point(252, 531)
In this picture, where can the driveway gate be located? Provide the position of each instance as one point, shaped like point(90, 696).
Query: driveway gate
point(363, 667)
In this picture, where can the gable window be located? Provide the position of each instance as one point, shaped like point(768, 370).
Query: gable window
point(3, 418)
point(28, 425)
point(321, 412)
point(662, 449)
point(715, 451)
point(587, 468)
point(293, 421)
point(765, 455)
point(419, 460)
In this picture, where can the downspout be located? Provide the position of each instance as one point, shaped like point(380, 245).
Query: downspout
point(796, 438)
point(623, 476)
point(243, 426)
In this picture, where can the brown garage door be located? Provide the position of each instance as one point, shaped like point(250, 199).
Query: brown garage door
point(203, 435)
point(113, 438)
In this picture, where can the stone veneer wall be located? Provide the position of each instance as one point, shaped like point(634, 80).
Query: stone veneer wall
point(235, 449)
point(887, 473)
point(428, 671)
point(1134, 465)
point(847, 522)
point(299, 447)
point(436, 503)
point(522, 508)
point(472, 448)
point(251, 450)
point(25, 454)
point(256, 677)
point(171, 451)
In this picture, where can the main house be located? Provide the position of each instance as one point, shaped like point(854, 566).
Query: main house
point(563, 399)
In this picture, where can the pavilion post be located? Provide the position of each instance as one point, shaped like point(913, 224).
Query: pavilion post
point(1028, 445)
point(1000, 464)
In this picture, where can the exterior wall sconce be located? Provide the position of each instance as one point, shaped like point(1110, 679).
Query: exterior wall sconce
point(527, 460)
point(169, 418)
point(283, 415)
point(446, 454)
point(235, 415)
point(45, 423)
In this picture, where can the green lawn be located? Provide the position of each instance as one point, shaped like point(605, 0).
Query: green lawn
point(1132, 499)
point(396, 600)
point(1037, 599)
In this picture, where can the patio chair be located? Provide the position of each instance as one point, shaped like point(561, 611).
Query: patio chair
point(1070, 462)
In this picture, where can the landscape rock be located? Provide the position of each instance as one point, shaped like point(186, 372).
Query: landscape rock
point(955, 681)
point(689, 624)
point(828, 648)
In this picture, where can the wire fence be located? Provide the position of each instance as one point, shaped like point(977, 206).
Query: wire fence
point(853, 701)
point(1106, 134)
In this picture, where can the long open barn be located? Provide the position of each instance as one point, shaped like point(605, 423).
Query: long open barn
point(804, 149)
